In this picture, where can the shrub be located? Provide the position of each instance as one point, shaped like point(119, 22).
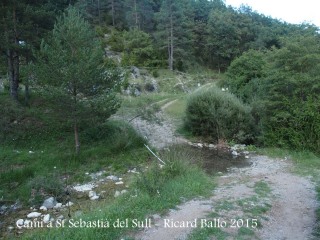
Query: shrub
point(43, 186)
point(155, 73)
point(177, 159)
point(244, 75)
point(219, 115)
point(118, 135)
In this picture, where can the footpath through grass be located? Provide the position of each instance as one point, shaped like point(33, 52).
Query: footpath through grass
point(306, 164)
point(37, 156)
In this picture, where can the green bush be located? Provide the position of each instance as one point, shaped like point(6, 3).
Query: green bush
point(155, 73)
point(43, 186)
point(118, 135)
point(290, 114)
point(116, 41)
point(219, 115)
point(177, 163)
point(244, 75)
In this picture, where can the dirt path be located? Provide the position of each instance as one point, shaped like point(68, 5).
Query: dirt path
point(266, 199)
point(266, 193)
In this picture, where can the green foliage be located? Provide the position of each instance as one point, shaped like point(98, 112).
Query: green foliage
point(291, 113)
point(138, 204)
point(116, 41)
point(177, 164)
point(155, 74)
point(244, 74)
point(14, 177)
point(70, 68)
point(138, 48)
point(42, 186)
point(119, 135)
point(174, 32)
point(219, 115)
point(282, 86)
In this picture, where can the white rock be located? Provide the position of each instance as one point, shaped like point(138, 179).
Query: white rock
point(200, 145)
point(119, 183)
point(60, 217)
point(117, 194)
point(49, 202)
point(113, 178)
point(43, 208)
point(58, 205)
point(69, 204)
point(84, 187)
point(31, 152)
point(19, 223)
point(34, 215)
point(46, 218)
point(124, 191)
point(211, 146)
point(234, 153)
point(92, 194)
point(10, 228)
point(96, 197)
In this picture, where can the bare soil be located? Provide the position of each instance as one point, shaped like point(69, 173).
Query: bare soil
point(285, 209)
point(290, 205)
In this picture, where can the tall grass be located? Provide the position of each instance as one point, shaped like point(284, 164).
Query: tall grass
point(154, 191)
point(114, 144)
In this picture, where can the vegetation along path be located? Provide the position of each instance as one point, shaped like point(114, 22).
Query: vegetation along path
point(262, 201)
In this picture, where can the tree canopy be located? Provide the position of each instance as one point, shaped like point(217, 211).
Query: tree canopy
point(71, 67)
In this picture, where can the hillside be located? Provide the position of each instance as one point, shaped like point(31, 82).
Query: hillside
point(140, 119)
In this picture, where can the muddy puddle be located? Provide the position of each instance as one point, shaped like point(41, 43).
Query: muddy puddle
point(219, 160)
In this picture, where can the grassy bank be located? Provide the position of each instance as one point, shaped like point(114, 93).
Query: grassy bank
point(37, 150)
point(153, 191)
point(38, 160)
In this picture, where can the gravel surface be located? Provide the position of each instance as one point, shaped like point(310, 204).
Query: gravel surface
point(292, 202)
point(290, 205)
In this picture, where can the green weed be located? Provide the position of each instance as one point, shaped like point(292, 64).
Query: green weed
point(138, 203)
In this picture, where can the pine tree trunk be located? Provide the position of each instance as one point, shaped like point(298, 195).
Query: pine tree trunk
point(26, 93)
point(13, 70)
point(112, 12)
point(76, 138)
point(136, 14)
point(13, 60)
point(99, 12)
point(171, 44)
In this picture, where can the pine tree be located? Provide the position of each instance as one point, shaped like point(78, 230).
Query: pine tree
point(70, 68)
point(174, 31)
point(23, 23)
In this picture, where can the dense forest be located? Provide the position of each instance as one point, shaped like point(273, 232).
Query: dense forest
point(271, 65)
